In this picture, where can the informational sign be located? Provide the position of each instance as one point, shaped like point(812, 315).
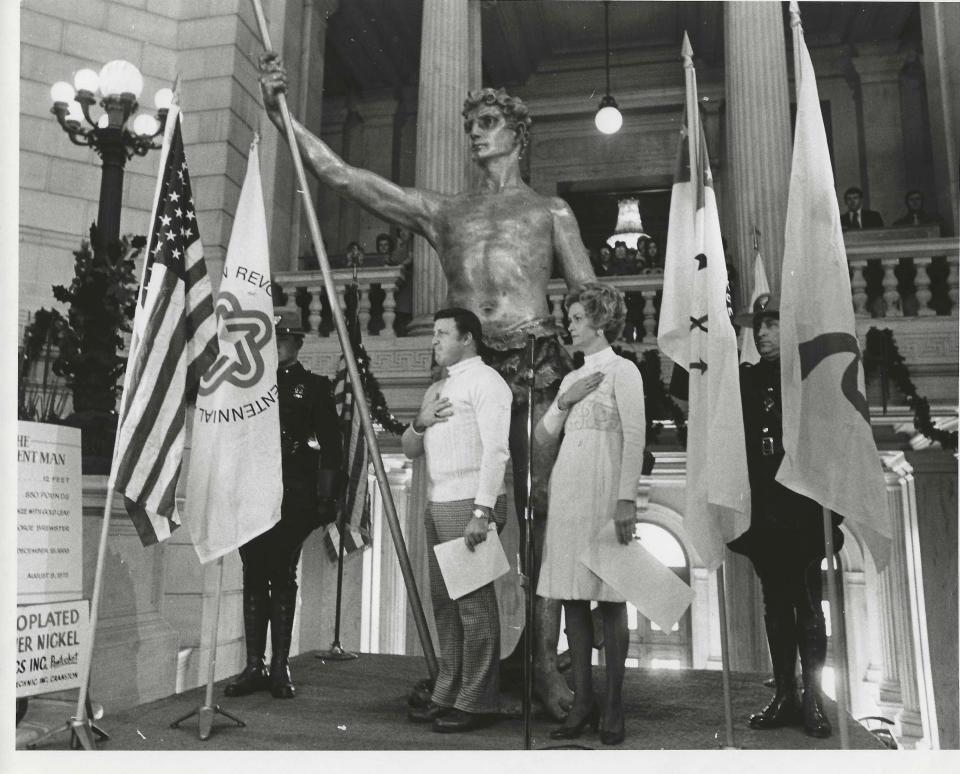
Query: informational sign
point(49, 513)
point(49, 640)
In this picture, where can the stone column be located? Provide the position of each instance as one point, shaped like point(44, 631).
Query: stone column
point(758, 167)
point(758, 134)
point(899, 651)
point(310, 68)
point(352, 153)
point(287, 22)
point(941, 64)
point(441, 150)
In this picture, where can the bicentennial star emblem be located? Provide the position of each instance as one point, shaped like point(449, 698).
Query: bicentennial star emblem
point(248, 331)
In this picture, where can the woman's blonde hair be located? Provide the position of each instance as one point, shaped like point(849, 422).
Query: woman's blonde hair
point(603, 305)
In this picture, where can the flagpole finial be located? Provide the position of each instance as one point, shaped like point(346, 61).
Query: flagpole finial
point(175, 88)
point(756, 239)
point(686, 50)
point(794, 13)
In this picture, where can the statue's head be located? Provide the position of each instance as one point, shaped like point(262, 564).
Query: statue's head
point(513, 109)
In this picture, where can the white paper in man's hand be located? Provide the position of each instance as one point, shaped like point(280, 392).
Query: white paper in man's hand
point(464, 570)
point(638, 575)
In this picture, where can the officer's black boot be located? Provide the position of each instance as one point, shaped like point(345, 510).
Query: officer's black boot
point(283, 605)
point(784, 707)
point(256, 615)
point(812, 639)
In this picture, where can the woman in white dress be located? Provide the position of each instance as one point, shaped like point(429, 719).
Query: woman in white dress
point(599, 408)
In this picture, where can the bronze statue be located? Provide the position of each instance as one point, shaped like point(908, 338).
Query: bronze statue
point(497, 245)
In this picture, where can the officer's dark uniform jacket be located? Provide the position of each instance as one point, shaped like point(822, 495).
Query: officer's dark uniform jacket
point(780, 518)
point(310, 444)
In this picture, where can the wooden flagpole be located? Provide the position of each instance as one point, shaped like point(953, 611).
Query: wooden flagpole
point(836, 613)
point(360, 399)
point(725, 661)
point(837, 631)
point(693, 150)
point(80, 723)
point(206, 711)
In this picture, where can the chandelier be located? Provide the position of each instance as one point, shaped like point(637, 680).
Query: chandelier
point(629, 225)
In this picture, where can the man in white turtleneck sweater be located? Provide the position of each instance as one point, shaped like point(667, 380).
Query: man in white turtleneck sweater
point(463, 428)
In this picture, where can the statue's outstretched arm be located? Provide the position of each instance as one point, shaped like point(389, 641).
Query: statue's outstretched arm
point(409, 208)
point(568, 245)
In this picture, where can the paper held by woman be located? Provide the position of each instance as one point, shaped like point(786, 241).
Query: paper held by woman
point(655, 590)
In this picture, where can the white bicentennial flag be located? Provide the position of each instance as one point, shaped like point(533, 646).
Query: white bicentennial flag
point(235, 483)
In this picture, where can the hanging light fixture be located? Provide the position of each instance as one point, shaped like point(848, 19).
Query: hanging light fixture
point(608, 118)
point(629, 227)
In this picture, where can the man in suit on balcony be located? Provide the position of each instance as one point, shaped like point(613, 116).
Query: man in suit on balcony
point(916, 215)
point(856, 217)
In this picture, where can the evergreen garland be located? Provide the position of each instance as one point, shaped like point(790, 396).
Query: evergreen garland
point(881, 350)
point(379, 409)
point(376, 400)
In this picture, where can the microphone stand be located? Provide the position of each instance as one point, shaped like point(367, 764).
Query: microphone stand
point(526, 578)
point(336, 652)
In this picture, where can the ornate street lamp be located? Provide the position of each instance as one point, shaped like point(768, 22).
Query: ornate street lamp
point(119, 133)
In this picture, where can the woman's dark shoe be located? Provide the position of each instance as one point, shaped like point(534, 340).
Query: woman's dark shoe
point(613, 737)
point(253, 678)
point(592, 718)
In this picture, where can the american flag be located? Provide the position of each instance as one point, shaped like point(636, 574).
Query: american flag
point(356, 499)
point(174, 342)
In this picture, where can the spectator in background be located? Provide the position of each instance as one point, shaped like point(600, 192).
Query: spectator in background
point(916, 215)
point(633, 265)
point(384, 245)
point(401, 254)
point(621, 264)
point(354, 255)
point(653, 255)
point(856, 217)
point(604, 267)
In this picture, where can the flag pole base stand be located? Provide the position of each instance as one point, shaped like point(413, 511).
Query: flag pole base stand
point(721, 745)
point(336, 653)
point(82, 730)
point(205, 715)
point(82, 733)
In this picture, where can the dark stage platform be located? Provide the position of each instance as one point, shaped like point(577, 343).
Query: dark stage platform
point(361, 705)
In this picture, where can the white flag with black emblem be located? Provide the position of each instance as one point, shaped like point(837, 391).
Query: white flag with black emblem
point(830, 453)
point(234, 482)
point(695, 332)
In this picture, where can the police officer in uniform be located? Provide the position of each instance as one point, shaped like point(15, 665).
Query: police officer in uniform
point(310, 445)
point(784, 541)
